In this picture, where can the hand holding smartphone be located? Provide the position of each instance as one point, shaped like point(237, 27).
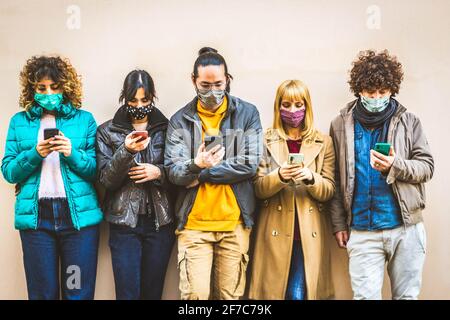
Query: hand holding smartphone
point(296, 158)
point(141, 134)
point(43, 147)
point(383, 148)
point(212, 141)
point(50, 133)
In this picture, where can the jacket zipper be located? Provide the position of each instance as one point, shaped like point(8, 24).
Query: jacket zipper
point(192, 199)
point(349, 220)
point(36, 198)
point(157, 224)
point(36, 191)
point(126, 131)
point(62, 165)
point(233, 186)
point(190, 205)
point(394, 185)
point(194, 194)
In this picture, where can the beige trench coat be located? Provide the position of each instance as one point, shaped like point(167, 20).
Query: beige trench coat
point(271, 259)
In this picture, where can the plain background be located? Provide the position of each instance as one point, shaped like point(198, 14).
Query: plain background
point(264, 43)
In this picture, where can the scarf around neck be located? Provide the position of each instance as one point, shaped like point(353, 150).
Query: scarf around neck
point(375, 120)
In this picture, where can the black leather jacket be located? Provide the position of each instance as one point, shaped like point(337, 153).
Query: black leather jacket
point(125, 200)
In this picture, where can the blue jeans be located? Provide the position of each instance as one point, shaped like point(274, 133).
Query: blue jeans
point(57, 244)
point(296, 289)
point(139, 257)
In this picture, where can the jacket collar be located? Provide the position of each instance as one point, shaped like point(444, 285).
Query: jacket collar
point(122, 123)
point(348, 110)
point(65, 111)
point(278, 148)
point(347, 115)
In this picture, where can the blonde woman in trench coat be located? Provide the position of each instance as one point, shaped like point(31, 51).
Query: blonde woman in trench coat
point(292, 262)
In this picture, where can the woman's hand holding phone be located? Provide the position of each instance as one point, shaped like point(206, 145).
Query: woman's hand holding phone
point(43, 147)
point(141, 134)
point(135, 144)
point(58, 143)
point(304, 174)
point(61, 144)
point(288, 171)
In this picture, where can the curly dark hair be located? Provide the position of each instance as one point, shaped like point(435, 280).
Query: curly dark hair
point(374, 71)
point(58, 69)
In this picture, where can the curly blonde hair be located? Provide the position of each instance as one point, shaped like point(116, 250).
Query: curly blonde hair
point(56, 68)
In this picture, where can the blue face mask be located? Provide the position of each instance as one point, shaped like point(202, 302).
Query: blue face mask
point(49, 101)
point(375, 104)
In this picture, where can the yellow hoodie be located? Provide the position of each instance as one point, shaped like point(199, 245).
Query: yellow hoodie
point(215, 207)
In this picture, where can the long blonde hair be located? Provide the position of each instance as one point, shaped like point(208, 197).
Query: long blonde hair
point(294, 90)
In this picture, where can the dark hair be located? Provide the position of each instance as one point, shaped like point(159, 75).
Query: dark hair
point(374, 71)
point(135, 80)
point(209, 56)
point(57, 69)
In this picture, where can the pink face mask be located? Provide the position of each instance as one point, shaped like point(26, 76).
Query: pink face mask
point(292, 119)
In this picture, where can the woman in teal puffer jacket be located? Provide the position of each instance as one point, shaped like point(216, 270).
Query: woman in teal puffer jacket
point(50, 157)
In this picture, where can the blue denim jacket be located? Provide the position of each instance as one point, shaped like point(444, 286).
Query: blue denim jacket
point(374, 204)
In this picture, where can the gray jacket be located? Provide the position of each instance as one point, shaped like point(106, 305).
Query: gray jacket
point(412, 167)
point(242, 136)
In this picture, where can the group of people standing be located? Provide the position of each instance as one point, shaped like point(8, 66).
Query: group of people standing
point(232, 196)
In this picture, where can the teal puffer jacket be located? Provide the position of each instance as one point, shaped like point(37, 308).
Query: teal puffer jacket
point(21, 165)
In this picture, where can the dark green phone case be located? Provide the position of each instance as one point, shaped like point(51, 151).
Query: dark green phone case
point(383, 148)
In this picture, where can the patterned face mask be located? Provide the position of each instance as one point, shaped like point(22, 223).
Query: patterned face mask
point(139, 113)
point(375, 104)
point(211, 98)
point(292, 119)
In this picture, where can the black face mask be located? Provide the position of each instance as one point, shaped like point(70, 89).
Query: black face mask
point(141, 112)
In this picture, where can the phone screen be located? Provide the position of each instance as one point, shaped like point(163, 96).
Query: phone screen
point(141, 134)
point(296, 158)
point(50, 133)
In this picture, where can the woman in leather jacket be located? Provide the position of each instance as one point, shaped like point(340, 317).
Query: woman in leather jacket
point(137, 201)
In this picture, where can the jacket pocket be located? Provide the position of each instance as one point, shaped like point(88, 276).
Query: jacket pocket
point(411, 196)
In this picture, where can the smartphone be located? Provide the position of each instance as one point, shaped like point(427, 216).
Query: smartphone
point(50, 133)
point(212, 141)
point(141, 134)
point(296, 158)
point(383, 148)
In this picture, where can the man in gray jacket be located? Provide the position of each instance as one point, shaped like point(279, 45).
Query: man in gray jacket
point(382, 162)
point(216, 201)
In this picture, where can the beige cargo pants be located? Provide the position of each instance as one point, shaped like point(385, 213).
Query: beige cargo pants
point(213, 265)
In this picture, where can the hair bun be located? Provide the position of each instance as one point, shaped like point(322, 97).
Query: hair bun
point(206, 50)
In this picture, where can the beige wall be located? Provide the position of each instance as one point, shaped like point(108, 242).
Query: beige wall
point(264, 43)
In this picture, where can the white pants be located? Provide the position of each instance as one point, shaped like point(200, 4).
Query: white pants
point(404, 251)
